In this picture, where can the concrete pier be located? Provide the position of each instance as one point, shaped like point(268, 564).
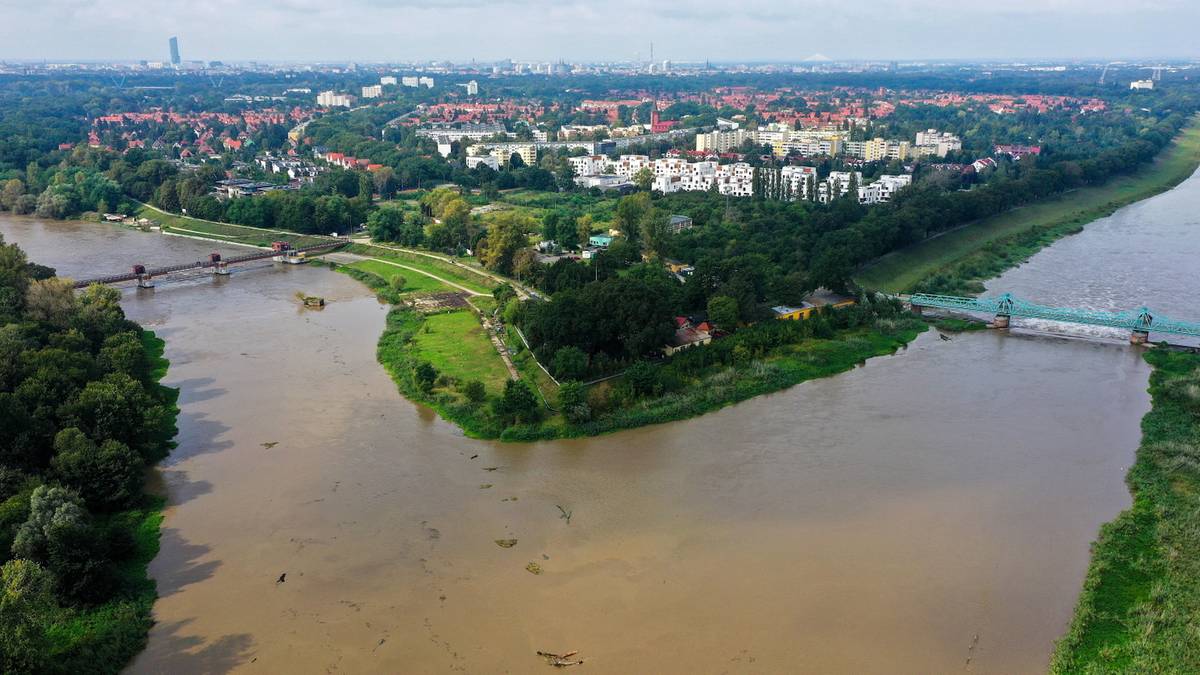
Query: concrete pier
point(1139, 337)
point(145, 281)
point(1001, 321)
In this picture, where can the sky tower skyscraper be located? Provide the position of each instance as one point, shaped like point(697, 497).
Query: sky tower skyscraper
point(174, 51)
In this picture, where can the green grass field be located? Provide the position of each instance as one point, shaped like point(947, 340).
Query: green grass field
point(902, 270)
point(413, 281)
point(456, 344)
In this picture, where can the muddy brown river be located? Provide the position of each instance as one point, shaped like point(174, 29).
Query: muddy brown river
point(929, 512)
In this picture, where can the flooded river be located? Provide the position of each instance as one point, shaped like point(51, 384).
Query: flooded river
point(929, 512)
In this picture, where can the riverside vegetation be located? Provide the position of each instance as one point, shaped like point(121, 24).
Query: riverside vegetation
point(757, 359)
point(1141, 596)
point(81, 416)
point(956, 262)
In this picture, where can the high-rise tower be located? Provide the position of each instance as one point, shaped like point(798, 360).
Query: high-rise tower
point(174, 51)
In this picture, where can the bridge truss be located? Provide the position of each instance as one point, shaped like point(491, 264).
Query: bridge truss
point(1141, 320)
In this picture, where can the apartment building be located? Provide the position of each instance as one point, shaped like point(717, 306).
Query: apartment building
point(372, 91)
point(330, 99)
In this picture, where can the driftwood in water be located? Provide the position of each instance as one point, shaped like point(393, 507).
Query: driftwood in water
point(561, 660)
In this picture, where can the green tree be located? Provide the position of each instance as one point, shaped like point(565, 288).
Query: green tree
point(425, 375)
point(386, 224)
point(108, 476)
point(572, 399)
point(475, 391)
point(26, 605)
point(643, 179)
point(517, 404)
point(506, 234)
point(643, 379)
point(723, 311)
point(60, 535)
point(569, 363)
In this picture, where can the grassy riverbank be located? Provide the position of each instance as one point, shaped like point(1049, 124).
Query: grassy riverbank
point(957, 261)
point(227, 232)
point(757, 360)
point(103, 638)
point(1138, 610)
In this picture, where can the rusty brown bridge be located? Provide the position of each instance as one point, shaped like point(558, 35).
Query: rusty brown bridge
point(281, 251)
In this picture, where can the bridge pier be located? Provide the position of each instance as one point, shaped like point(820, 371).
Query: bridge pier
point(1139, 337)
point(145, 281)
point(1001, 321)
point(221, 269)
point(916, 309)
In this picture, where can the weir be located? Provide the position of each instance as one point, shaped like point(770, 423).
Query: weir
point(1140, 322)
point(219, 265)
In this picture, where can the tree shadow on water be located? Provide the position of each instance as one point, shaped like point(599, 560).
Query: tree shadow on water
point(198, 389)
point(172, 650)
point(180, 563)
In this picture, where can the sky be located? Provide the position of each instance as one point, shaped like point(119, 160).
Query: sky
point(593, 30)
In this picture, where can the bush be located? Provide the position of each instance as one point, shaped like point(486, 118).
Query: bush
point(569, 363)
point(474, 391)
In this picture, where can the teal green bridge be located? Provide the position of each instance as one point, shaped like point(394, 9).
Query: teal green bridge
point(1140, 323)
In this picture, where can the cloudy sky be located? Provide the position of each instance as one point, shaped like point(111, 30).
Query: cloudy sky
point(542, 30)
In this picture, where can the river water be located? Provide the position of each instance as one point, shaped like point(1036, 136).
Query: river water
point(928, 512)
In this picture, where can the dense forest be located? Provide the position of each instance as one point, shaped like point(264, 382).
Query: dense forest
point(81, 416)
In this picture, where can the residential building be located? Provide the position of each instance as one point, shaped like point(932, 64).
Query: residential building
point(330, 99)
point(387, 80)
point(472, 88)
point(426, 82)
point(722, 141)
point(933, 142)
point(372, 91)
point(410, 81)
point(485, 160)
point(1136, 84)
point(680, 223)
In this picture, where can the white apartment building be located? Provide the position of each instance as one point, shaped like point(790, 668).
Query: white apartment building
point(472, 88)
point(486, 160)
point(386, 80)
point(331, 99)
point(722, 141)
point(1141, 84)
point(933, 142)
point(372, 91)
point(882, 190)
point(426, 82)
point(409, 81)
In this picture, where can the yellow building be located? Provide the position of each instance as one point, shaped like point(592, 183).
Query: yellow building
point(806, 309)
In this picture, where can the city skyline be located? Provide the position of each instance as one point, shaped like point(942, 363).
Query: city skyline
point(400, 30)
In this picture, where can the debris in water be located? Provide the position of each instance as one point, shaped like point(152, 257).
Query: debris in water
point(269, 444)
point(310, 300)
point(506, 543)
point(944, 337)
point(534, 568)
point(561, 660)
point(564, 514)
point(474, 456)
point(282, 578)
point(484, 486)
point(490, 468)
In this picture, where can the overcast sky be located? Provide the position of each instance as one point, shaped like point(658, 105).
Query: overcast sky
point(579, 30)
